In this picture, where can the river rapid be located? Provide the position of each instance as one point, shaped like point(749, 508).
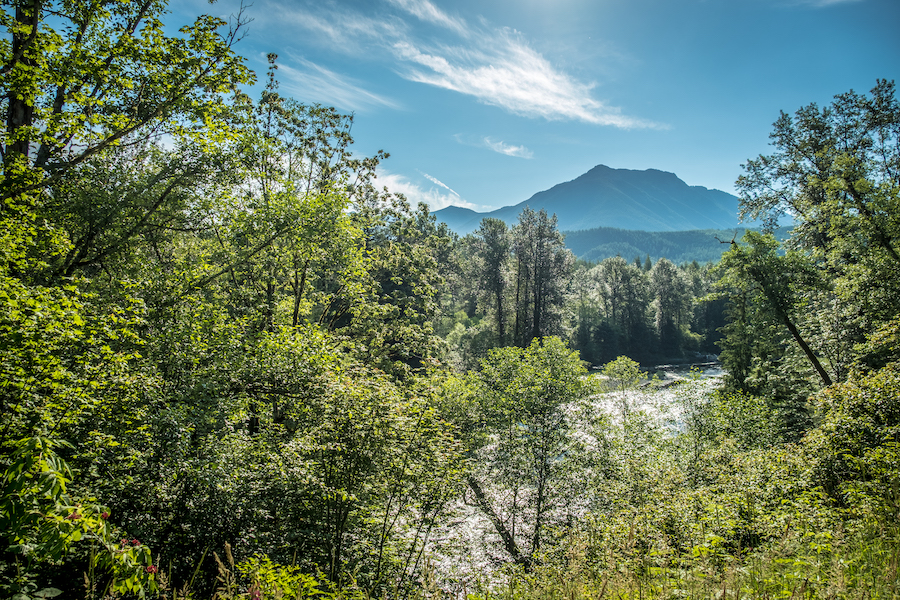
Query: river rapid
point(467, 550)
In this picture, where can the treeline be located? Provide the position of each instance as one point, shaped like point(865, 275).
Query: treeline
point(507, 286)
point(231, 365)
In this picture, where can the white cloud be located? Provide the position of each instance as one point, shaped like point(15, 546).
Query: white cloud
point(433, 197)
point(507, 149)
point(437, 181)
point(350, 32)
point(504, 71)
point(307, 80)
point(426, 11)
point(496, 66)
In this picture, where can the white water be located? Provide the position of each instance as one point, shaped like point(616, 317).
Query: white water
point(467, 549)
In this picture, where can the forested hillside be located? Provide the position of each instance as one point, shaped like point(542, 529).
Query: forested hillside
point(232, 366)
point(701, 245)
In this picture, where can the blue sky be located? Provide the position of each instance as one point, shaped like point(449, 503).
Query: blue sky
point(483, 103)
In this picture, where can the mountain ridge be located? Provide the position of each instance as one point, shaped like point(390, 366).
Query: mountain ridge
point(644, 200)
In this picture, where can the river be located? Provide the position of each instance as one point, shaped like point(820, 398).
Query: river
point(467, 548)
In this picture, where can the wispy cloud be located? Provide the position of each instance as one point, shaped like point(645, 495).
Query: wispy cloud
point(496, 66)
point(343, 30)
point(824, 3)
point(309, 81)
point(506, 72)
point(415, 193)
point(437, 181)
point(507, 149)
point(426, 11)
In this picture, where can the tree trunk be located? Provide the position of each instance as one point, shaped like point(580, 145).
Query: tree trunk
point(20, 111)
point(781, 311)
point(500, 326)
point(505, 536)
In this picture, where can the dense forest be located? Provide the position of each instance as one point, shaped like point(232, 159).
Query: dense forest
point(507, 286)
point(677, 246)
point(232, 366)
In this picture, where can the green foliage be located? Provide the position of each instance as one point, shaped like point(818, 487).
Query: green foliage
point(856, 444)
point(752, 520)
point(229, 340)
point(468, 346)
point(621, 304)
point(543, 267)
point(671, 303)
point(41, 523)
point(775, 282)
point(881, 346)
point(820, 306)
point(747, 420)
point(605, 309)
point(86, 76)
point(493, 252)
point(834, 170)
point(390, 315)
point(623, 374)
point(770, 348)
point(531, 382)
point(279, 580)
point(515, 418)
point(848, 566)
point(209, 325)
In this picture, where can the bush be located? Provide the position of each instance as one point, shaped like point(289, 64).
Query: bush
point(855, 447)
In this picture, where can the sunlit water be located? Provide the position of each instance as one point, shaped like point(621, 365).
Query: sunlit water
point(467, 548)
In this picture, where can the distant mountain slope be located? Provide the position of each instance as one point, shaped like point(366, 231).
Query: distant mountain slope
point(702, 245)
point(648, 200)
point(461, 220)
point(678, 246)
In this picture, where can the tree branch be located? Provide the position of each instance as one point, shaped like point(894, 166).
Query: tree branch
point(509, 543)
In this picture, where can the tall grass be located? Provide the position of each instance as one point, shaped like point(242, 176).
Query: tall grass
point(861, 565)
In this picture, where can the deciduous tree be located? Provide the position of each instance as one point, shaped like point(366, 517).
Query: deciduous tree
point(523, 397)
point(494, 251)
point(543, 266)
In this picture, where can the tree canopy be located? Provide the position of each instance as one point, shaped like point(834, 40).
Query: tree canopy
point(231, 366)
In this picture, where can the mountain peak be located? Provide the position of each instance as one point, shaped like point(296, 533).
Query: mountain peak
point(648, 200)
